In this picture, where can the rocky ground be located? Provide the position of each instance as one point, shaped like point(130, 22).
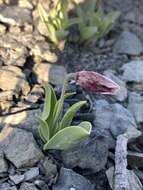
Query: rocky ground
point(25, 61)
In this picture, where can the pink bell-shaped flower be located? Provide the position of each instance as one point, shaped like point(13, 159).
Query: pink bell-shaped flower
point(95, 82)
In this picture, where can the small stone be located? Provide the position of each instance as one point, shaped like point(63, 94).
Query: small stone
point(132, 133)
point(11, 169)
point(136, 106)
point(25, 4)
point(113, 118)
point(133, 71)
point(90, 154)
point(69, 179)
point(3, 164)
point(12, 78)
point(2, 29)
point(135, 159)
point(31, 174)
point(41, 52)
point(41, 185)
point(28, 28)
point(139, 173)
point(28, 186)
point(5, 106)
point(139, 19)
point(134, 182)
point(138, 87)
point(4, 185)
point(14, 15)
point(7, 95)
point(17, 178)
point(110, 176)
point(20, 147)
point(41, 28)
point(36, 93)
point(49, 169)
point(8, 188)
point(130, 17)
point(122, 94)
point(128, 43)
point(50, 73)
point(13, 53)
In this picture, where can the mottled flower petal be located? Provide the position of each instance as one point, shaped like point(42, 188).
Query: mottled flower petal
point(96, 82)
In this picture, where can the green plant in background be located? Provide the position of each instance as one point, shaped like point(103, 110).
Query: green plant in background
point(94, 24)
point(56, 21)
point(56, 131)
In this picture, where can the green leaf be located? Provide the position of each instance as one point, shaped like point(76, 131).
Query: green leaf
point(73, 21)
point(69, 94)
point(86, 125)
point(43, 130)
point(61, 34)
point(48, 23)
point(67, 119)
point(67, 138)
point(88, 32)
point(50, 119)
point(47, 103)
point(90, 6)
point(109, 21)
point(80, 13)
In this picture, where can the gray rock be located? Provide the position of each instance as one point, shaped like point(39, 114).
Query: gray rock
point(35, 94)
point(14, 15)
point(139, 174)
point(91, 154)
point(122, 94)
point(12, 78)
point(130, 17)
point(132, 133)
point(135, 159)
point(3, 164)
point(28, 186)
point(17, 178)
point(4, 185)
point(31, 174)
point(113, 118)
point(25, 4)
point(2, 29)
point(49, 168)
point(134, 182)
point(24, 120)
point(41, 185)
point(71, 181)
point(20, 147)
point(133, 71)
point(50, 73)
point(41, 52)
point(8, 188)
point(11, 169)
point(5, 106)
point(128, 43)
point(7, 95)
point(136, 106)
point(12, 50)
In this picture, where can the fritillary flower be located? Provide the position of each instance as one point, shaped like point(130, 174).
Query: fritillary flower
point(95, 82)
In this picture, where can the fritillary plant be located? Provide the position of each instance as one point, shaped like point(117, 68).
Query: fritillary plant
point(94, 24)
point(57, 21)
point(56, 130)
point(91, 21)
